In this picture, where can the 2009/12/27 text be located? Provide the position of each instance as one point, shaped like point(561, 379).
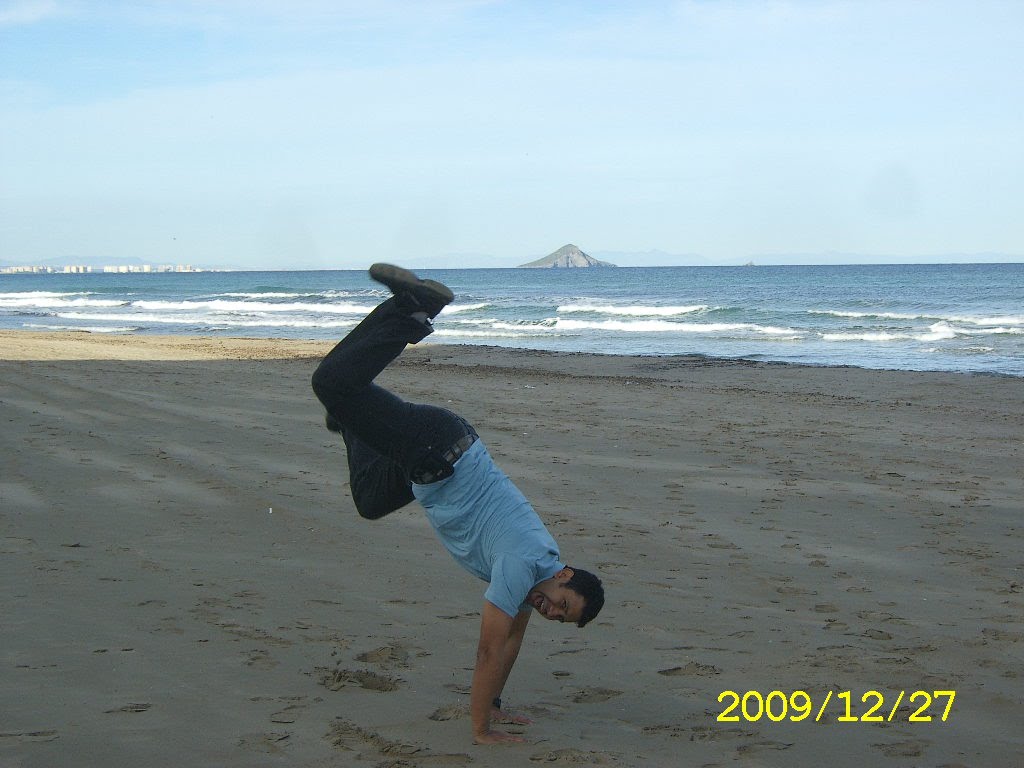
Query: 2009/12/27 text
point(796, 706)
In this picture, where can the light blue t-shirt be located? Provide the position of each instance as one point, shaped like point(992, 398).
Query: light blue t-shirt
point(490, 529)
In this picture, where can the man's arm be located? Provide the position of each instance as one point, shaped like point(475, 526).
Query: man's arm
point(495, 655)
point(511, 653)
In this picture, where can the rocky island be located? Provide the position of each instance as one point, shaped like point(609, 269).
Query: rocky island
point(566, 257)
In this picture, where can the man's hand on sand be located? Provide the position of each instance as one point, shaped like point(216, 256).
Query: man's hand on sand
point(496, 737)
point(508, 718)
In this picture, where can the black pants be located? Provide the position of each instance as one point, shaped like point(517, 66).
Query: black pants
point(388, 440)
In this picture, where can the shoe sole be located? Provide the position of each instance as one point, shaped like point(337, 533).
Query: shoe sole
point(399, 279)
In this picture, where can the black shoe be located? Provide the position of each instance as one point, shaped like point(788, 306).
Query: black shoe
point(410, 291)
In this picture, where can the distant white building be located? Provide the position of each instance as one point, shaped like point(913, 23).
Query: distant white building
point(81, 269)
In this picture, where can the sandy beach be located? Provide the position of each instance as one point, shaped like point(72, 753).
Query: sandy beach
point(185, 582)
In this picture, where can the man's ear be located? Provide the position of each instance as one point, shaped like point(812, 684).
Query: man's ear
point(565, 574)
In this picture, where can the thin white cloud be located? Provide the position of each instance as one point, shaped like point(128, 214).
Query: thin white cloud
point(294, 15)
point(22, 13)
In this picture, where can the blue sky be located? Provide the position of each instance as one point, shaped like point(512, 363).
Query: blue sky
point(316, 134)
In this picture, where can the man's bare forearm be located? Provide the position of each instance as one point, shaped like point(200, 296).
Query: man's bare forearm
point(489, 674)
point(512, 647)
point(487, 682)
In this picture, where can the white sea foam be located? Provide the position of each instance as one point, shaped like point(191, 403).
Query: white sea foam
point(632, 310)
point(943, 330)
point(964, 350)
point(451, 332)
point(85, 328)
point(249, 307)
point(211, 320)
point(42, 294)
point(37, 301)
point(454, 309)
point(472, 321)
point(994, 320)
point(881, 315)
point(878, 336)
point(543, 323)
point(937, 332)
point(990, 331)
point(664, 326)
point(268, 295)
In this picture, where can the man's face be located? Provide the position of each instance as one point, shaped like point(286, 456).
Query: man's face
point(555, 601)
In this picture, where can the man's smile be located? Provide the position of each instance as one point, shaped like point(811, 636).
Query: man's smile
point(540, 601)
point(553, 609)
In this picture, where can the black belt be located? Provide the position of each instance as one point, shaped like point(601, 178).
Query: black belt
point(431, 472)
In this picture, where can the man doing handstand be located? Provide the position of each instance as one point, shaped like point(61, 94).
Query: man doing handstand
point(400, 451)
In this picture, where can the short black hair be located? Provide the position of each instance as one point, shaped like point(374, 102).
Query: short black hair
point(588, 586)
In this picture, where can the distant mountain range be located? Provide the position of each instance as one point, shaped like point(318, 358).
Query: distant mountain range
point(566, 257)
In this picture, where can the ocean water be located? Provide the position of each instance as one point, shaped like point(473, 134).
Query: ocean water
point(959, 317)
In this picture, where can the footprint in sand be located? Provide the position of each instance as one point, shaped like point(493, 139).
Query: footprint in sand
point(878, 616)
point(714, 541)
point(30, 736)
point(595, 695)
point(291, 712)
point(876, 634)
point(260, 659)
point(992, 633)
point(894, 660)
point(571, 757)
point(836, 625)
point(787, 590)
point(129, 708)
point(252, 633)
point(762, 746)
point(908, 748)
point(266, 743)
point(674, 730)
point(710, 733)
point(336, 679)
point(17, 545)
point(449, 712)
point(386, 656)
point(348, 736)
point(692, 668)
